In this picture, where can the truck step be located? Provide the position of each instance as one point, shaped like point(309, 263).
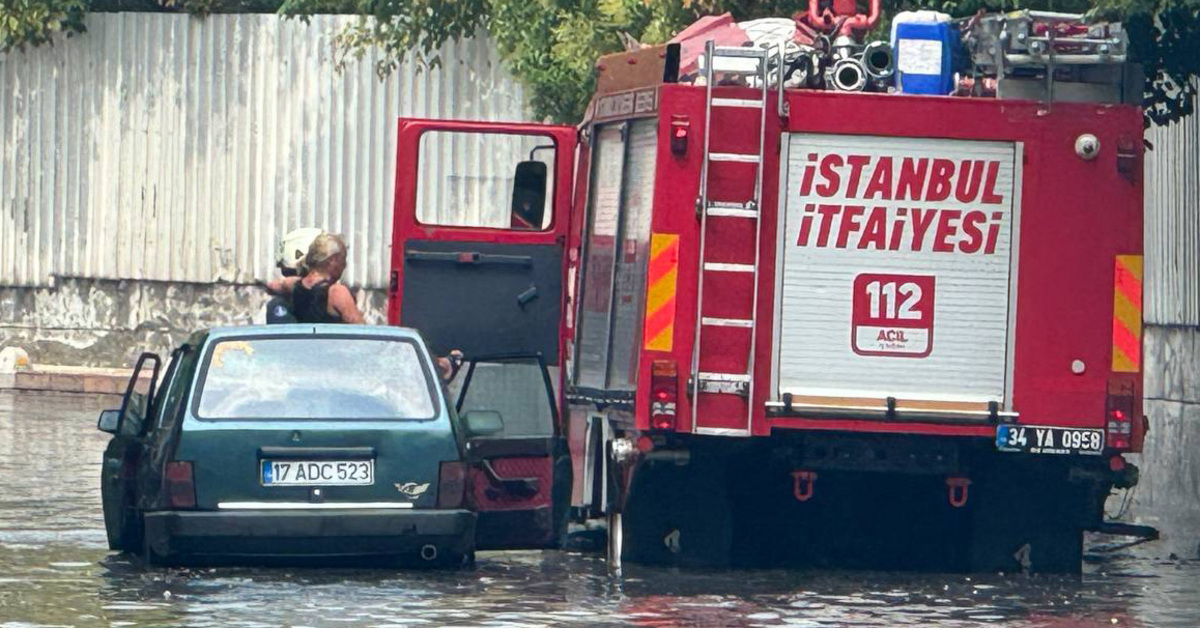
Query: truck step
point(724, 384)
point(724, 377)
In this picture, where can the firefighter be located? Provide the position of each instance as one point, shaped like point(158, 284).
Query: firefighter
point(289, 258)
point(319, 296)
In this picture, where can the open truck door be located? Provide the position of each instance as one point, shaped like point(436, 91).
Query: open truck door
point(480, 232)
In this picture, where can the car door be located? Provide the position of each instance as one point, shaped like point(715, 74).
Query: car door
point(118, 479)
point(480, 231)
point(520, 468)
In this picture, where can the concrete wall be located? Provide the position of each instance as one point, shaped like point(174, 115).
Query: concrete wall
point(101, 322)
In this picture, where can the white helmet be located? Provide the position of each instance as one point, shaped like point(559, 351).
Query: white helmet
point(294, 246)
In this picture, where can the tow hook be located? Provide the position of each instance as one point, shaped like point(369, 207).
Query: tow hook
point(803, 485)
point(957, 488)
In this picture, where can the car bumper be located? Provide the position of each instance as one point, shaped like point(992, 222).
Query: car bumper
point(300, 533)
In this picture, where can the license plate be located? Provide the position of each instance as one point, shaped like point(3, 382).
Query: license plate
point(318, 472)
point(1036, 439)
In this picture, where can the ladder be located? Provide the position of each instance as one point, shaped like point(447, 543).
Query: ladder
point(750, 62)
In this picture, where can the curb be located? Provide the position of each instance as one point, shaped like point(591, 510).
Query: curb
point(68, 379)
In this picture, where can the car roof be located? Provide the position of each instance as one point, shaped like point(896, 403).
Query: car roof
point(308, 329)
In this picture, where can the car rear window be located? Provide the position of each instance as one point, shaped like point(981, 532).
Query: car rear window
point(315, 378)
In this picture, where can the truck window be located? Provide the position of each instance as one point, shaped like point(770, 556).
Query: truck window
point(618, 243)
point(488, 180)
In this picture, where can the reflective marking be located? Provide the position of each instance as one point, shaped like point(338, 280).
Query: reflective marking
point(662, 271)
point(1127, 314)
point(313, 506)
point(727, 322)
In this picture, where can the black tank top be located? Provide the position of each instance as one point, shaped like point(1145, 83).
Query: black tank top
point(311, 305)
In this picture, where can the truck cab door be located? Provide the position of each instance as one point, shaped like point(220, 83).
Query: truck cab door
point(480, 230)
point(118, 475)
point(518, 461)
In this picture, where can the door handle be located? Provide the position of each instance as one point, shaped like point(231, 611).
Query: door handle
point(521, 487)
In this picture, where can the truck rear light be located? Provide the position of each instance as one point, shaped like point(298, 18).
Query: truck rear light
point(181, 485)
point(452, 485)
point(664, 394)
point(679, 134)
point(1119, 415)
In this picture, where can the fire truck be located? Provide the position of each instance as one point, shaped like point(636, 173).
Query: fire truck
point(759, 325)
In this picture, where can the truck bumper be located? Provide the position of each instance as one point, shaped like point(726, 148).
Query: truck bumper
point(173, 535)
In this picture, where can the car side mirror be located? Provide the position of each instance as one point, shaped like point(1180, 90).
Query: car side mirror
point(109, 421)
point(483, 422)
point(529, 195)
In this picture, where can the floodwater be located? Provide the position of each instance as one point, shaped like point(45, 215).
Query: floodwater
point(55, 570)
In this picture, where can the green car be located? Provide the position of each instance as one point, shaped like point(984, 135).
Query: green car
point(291, 441)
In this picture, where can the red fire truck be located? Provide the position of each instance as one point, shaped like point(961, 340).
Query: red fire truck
point(777, 326)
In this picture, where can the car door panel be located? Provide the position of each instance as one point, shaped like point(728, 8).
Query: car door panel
point(520, 478)
point(119, 476)
point(460, 294)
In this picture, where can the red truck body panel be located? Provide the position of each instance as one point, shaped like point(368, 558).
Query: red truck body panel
point(1076, 216)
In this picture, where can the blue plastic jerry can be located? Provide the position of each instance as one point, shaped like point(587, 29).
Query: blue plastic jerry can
point(924, 42)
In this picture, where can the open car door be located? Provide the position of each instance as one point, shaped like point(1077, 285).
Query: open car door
point(519, 464)
point(118, 475)
point(480, 229)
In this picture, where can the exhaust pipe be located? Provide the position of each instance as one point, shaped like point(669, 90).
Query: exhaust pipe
point(848, 75)
point(879, 60)
point(429, 553)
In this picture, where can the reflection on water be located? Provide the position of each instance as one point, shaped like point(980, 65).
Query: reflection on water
point(55, 571)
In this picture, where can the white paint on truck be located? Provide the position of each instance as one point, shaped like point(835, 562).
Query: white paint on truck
point(894, 269)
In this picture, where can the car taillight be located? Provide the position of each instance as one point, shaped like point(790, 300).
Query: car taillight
point(181, 485)
point(664, 394)
point(1119, 409)
point(452, 484)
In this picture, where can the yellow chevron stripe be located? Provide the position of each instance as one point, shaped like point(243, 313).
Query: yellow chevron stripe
point(1122, 363)
point(1128, 314)
point(1131, 263)
point(661, 292)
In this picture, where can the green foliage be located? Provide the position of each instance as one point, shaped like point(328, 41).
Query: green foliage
point(35, 22)
point(551, 46)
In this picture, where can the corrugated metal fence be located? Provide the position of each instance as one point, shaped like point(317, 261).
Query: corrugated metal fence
point(1173, 224)
point(164, 147)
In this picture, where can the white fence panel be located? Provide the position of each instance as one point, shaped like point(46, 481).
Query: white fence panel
point(169, 148)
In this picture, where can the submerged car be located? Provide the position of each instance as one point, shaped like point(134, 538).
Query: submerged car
point(297, 441)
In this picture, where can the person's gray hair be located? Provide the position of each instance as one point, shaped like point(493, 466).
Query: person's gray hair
point(324, 248)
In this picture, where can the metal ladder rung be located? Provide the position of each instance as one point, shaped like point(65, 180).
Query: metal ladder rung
point(748, 103)
point(734, 210)
point(724, 377)
point(736, 157)
point(726, 322)
point(736, 51)
point(728, 268)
